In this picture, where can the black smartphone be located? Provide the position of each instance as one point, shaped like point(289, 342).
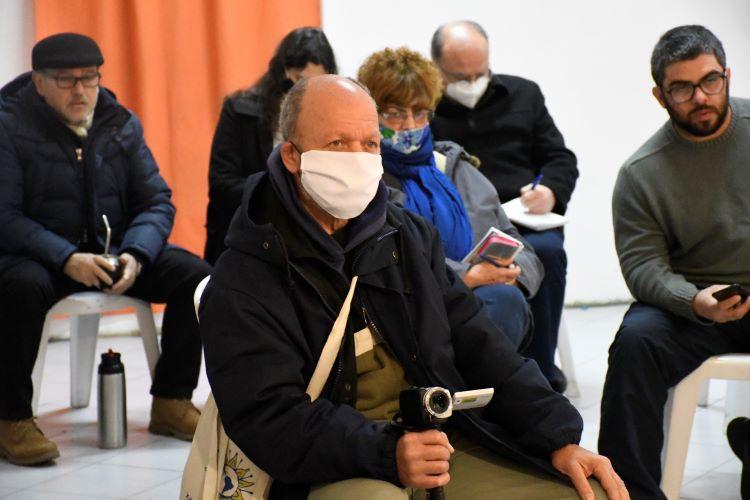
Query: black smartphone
point(730, 291)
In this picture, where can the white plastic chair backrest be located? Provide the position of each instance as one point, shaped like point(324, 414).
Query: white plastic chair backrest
point(198, 293)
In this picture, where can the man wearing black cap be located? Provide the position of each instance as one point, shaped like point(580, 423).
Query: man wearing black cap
point(69, 154)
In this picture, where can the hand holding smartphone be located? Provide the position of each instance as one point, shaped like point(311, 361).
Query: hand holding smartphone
point(731, 291)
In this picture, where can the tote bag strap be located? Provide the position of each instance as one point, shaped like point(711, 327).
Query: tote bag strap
point(331, 347)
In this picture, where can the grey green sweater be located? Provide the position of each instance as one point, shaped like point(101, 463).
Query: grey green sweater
point(681, 214)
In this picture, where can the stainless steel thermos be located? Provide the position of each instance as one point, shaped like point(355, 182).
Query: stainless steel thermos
point(113, 426)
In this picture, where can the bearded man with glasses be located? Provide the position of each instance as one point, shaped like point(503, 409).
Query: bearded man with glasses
point(682, 234)
point(69, 154)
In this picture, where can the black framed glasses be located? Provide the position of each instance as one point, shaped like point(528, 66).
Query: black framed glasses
point(69, 81)
point(711, 84)
point(398, 116)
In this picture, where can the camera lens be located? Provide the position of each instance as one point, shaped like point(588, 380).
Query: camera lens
point(439, 402)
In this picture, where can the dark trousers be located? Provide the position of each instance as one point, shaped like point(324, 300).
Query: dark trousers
point(547, 304)
point(508, 309)
point(652, 351)
point(28, 290)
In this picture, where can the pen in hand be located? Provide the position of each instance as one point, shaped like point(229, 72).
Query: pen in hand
point(537, 179)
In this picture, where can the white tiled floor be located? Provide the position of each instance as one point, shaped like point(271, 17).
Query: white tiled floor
point(150, 466)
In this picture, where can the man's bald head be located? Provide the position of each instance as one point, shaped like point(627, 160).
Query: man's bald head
point(316, 95)
point(457, 35)
point(326, 113)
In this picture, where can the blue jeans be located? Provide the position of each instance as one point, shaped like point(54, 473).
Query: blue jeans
point(508, 309)
point(547, 304)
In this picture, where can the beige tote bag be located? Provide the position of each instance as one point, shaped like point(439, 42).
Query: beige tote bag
point(216, 467)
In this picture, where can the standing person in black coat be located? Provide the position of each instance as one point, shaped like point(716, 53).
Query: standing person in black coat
point(69, 153)
point(502, 120)
point(248, 127)
point(317, 217)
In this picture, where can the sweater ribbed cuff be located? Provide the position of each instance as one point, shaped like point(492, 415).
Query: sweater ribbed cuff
point(683, 302)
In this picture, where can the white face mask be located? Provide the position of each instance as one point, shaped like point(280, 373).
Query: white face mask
point(466, 92)
point(341, 183)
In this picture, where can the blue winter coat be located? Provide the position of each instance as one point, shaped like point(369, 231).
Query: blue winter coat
point(55, 186)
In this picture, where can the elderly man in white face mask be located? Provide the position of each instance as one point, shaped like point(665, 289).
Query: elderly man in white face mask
point(503, 121)
point(315, 220)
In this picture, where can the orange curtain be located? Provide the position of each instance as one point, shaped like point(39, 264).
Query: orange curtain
point(171, 62)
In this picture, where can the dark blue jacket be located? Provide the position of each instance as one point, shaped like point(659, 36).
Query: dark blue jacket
point(52, 198)
point(267, 312)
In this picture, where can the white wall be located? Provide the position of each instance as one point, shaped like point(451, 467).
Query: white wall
point(591, 58)
point(16, 37)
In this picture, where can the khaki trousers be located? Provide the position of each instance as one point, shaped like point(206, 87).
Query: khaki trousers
point(476, 474)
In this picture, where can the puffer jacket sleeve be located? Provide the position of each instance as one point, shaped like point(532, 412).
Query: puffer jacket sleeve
point(19, 234)
point(524, 404)
point(254, 360)
point(151, 212)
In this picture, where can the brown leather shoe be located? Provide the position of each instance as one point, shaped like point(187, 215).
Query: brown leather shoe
point(174, 417)
point(23, 443)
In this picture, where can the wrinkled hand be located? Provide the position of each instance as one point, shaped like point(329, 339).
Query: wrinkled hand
point(485, 273)
point(540, 200)
point(579, 463)
point(731, 309)
point(88, 269)
point(422, 459)
point(130, 270)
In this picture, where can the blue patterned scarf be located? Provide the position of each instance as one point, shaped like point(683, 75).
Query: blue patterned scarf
point(429, 192)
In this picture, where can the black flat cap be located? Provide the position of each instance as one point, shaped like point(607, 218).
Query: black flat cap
point(66, 50)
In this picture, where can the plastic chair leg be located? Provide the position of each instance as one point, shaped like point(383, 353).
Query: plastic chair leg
point(678, 419)
point(83, 333)
point(148, 334)
point(567, 364)
point(38, 372)
point(703, 394)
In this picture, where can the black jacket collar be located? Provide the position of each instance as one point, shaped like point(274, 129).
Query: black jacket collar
point(271, 223)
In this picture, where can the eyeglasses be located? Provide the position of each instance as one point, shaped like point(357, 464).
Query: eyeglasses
point(684, 91)
point(68, 82)
point(398, 117)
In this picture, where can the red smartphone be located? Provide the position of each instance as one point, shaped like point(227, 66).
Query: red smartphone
point(731, 291)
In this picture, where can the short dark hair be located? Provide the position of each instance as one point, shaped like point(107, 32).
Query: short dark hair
point(684, 43)
point(438, 38)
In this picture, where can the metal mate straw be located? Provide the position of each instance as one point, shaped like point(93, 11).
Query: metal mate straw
point(109, 234)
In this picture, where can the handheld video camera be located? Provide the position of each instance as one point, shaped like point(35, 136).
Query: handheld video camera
point(426, 407)
point(423, 408)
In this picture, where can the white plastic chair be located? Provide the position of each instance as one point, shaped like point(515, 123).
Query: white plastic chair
point(198, 293)
point(680, 410)
point(84, 309)
point(567, 365)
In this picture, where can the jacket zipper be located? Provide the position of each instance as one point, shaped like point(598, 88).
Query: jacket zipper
point(79, 167)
